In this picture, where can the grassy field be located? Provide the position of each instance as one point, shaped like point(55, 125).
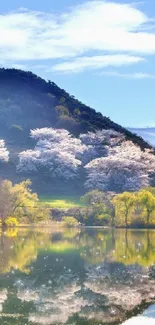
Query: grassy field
point(60, 202)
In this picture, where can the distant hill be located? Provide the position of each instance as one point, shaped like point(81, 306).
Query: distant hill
point(148, 134)
point(27, 102)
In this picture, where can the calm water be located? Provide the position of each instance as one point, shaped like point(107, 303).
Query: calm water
point(75, 277)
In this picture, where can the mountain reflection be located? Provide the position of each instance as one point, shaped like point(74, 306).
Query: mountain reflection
point(74, 276)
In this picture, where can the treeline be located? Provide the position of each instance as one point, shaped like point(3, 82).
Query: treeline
point(19, 205)
point(128, 209)
point(135, 209)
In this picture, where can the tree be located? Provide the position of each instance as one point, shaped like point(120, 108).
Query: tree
point(111, 163)
point(98, 143)
point(4, 153)
point(56, 151)
point(126, 168)
point(61, 154)
point(147, 200)
point(70, 221)
point(100, 208)
point(123, 204)
point(94, 197)
point(18, 201)
point(6, 200)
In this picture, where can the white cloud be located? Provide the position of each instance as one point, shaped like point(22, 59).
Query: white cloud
point(96, 62)
point(136, 75)
point(93, 26)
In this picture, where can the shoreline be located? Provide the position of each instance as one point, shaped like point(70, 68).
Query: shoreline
point(59, 225)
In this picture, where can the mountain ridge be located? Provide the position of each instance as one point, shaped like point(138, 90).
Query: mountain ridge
point(28, 101)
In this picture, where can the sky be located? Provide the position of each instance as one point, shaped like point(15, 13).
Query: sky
point(102, 52)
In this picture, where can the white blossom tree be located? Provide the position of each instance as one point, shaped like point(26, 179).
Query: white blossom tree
point(56, 151)
point(4, 153)
point(98, 143)
point(127, 168)
point(112, 164)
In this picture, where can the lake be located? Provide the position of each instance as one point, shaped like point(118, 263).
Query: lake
point(74, 276)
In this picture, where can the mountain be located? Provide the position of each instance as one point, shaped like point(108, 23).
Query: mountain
point(148, 134)
point(27, 102)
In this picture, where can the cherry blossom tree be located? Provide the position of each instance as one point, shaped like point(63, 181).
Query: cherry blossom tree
point(112, 164)
point(126, 168)
point(56, 151)
point(98, 143)
point(4, 153)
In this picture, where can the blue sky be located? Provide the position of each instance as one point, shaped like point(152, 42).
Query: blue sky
point(102, 52)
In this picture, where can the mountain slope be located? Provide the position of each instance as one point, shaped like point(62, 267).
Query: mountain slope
point(27, 101)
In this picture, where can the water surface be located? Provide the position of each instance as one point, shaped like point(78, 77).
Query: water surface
point(86, 277)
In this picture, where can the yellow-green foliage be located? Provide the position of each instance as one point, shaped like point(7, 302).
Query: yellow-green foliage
point(21, 247)
point(11, 222)
point(70, 221)
point(135, 209)
point(147, 201)
point(18, 201)
point(123, 204)
point(100, 208)
point(133, 247)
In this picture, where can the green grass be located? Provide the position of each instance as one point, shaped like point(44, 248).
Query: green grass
point(61, 202)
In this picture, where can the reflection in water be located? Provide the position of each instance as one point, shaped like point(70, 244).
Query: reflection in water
point(75, 276)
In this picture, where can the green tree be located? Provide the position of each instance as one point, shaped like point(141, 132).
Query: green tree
point(18, 201)
point(147, 200)
point(100, 208)
point(123, 204)
point(70, 221)
point(94, 197)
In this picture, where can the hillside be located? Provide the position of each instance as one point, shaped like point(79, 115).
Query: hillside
point(29, 102)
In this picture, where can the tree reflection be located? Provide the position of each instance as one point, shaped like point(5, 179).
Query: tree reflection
point(134, 247)
point(18, 249)
point(68, 275)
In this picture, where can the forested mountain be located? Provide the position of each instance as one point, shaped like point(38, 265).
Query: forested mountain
point(28, 102)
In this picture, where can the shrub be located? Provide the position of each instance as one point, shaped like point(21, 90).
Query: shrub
point(70, 221)
point(11, 222)
point(62, 110)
